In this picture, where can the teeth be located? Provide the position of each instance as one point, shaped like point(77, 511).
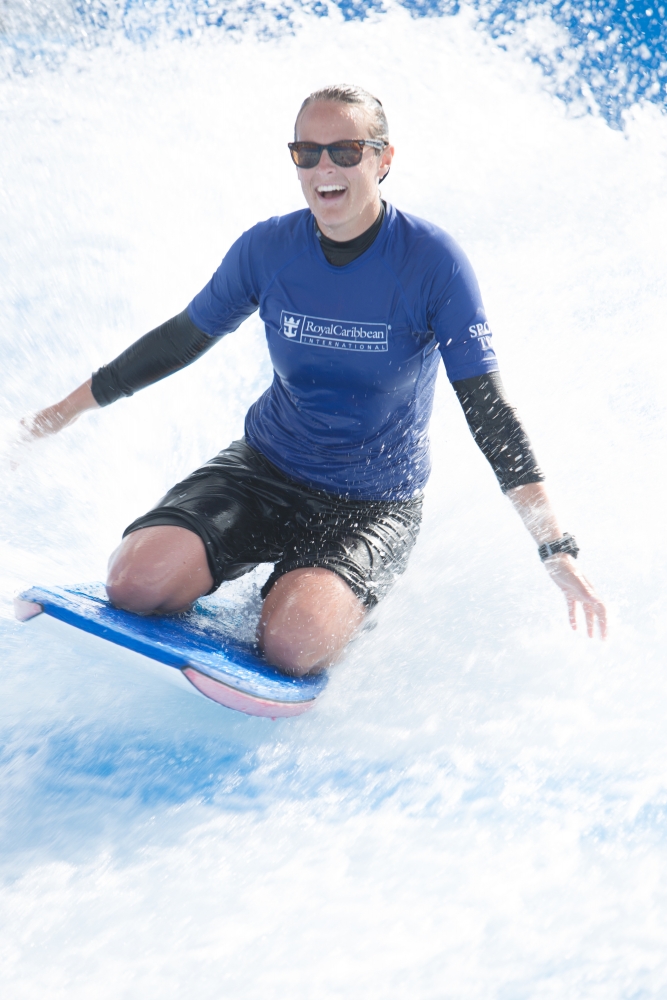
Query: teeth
point(323, 188)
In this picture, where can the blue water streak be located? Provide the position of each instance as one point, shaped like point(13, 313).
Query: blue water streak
point(607, 57)
point(619, 48)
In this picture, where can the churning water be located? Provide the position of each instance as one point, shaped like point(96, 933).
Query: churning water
point(477, 808)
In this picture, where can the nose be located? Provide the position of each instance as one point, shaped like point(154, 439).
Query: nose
point(326, 163)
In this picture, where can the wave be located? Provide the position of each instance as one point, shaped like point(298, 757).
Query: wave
point(598, 57)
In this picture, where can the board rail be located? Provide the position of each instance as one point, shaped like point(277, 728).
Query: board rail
point(201, 644)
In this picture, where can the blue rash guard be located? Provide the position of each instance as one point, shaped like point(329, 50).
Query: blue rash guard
point(353, 348)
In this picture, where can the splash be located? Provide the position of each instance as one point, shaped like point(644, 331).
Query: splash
point(598, 57)
point(477, 806)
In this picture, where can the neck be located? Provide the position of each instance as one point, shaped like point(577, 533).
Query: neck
point(342, 252)
point(355, 227)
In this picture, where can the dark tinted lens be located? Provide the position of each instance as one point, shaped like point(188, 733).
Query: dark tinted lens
point(346, 154)
point(306, 154)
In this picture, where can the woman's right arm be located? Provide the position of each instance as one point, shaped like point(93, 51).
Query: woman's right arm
point(165, 350)
point(168, 348)
point(228, 298)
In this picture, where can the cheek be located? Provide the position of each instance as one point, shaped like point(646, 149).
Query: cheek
point(367, 182)
point(303, 181)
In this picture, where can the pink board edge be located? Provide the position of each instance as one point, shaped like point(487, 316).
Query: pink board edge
point(25, 610)
point(241, 702)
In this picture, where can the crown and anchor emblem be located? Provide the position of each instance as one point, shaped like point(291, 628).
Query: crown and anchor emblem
point(290, 326)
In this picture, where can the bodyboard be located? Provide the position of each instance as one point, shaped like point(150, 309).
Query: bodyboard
point(202, 643)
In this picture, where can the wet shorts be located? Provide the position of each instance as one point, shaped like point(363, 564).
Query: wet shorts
point(247, 512)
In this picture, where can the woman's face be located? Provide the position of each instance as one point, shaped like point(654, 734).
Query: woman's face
point(344, 200)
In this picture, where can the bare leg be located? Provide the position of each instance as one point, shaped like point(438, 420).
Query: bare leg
point(307, 620)
point(158, 569)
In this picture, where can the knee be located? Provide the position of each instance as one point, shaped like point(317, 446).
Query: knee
point(285, 650)
point(132, 581)
point(129, 589)
point(158, 569)
point(307, 620)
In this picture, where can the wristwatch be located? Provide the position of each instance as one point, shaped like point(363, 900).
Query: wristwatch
point(567, 543)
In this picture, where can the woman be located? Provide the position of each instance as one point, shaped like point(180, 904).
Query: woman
point(359, 302)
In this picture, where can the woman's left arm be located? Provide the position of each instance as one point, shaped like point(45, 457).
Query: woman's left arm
point(534, 508)
point(501, 437)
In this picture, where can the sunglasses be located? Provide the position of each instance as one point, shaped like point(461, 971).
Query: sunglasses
point(346, 153)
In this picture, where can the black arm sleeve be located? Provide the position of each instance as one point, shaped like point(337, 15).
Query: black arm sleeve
point(496, 428)
point(175, 344)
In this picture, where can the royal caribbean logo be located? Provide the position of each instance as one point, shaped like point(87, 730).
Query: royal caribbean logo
point(343, 335)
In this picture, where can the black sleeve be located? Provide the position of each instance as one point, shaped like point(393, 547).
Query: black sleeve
point(496, 428)
point(175, 344)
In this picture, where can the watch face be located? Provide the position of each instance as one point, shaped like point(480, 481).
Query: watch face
point(567, 544)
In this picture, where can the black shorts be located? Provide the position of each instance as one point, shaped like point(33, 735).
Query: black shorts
point(247, 512)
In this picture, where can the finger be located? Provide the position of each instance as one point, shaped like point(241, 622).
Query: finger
point(590, 619)
point(601, 612)
point(572, 612)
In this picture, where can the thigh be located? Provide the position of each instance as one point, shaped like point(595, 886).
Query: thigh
point(366, 544)
point(236, 505)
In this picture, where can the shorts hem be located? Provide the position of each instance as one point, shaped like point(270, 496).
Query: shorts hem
point(177, 518)
point(368, 599)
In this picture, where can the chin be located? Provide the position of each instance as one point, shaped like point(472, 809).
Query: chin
point(333, 215)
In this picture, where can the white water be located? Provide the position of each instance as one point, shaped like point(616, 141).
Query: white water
point(478, 806)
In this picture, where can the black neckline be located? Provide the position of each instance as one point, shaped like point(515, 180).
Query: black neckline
point(341, 252)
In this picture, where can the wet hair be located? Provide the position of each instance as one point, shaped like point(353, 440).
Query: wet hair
point(346, 93)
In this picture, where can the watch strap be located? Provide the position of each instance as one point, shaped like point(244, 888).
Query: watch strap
point(566, 543)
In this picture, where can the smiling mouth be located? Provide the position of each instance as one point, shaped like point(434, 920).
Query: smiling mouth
point(330, 191)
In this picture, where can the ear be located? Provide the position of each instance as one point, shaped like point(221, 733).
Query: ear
point(384, 165)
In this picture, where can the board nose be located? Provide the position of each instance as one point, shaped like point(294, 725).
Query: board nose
point(25, 610)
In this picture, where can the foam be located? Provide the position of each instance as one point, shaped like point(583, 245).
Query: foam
point(477, 806)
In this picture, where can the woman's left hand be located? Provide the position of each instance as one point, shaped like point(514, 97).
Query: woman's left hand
point(565, 574)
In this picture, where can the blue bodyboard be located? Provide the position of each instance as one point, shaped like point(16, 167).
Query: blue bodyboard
point(202, 643)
